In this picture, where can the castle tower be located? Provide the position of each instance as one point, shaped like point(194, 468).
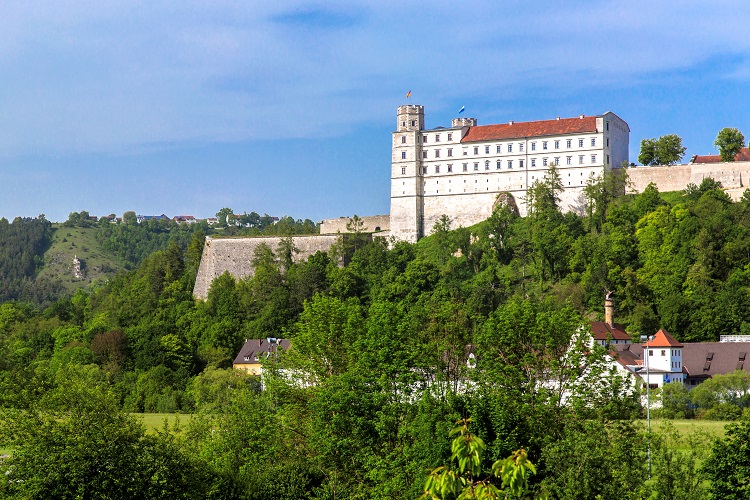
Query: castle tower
point(407, 203)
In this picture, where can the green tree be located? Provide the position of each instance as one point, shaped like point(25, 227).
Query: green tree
point(728, 465)
point(729, 141)
point(77, 443)
point(129, 218)
point(467, 450)
point(666, 150)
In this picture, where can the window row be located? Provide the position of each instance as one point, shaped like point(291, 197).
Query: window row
point(436, 138)
point(475, 167)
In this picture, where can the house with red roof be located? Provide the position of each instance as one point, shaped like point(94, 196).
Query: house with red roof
point(742, 155)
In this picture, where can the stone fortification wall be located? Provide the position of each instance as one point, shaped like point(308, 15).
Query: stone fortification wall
point(372, 224)
point(735, 176)
point(235, 255)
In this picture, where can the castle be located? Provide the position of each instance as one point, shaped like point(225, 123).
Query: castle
point(459, 171)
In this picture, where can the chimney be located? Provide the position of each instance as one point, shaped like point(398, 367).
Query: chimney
point(609, 310)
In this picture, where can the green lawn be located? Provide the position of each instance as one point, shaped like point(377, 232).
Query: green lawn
point(714, 428)
point(155, 421)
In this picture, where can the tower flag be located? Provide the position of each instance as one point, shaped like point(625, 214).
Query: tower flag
point(408, 94)
point(461, 110)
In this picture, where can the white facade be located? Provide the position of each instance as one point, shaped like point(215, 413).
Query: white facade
point(459, 171)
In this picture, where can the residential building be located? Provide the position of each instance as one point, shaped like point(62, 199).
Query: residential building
point(255, 351)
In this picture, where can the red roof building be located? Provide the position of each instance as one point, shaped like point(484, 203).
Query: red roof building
point(742, 155)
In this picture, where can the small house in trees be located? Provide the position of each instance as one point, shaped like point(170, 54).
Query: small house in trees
point(255, 352)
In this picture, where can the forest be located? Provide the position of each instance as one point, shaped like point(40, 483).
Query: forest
point(471, 332)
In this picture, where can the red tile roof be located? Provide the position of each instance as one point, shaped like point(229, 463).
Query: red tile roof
point(602, 331)
point(513, 130)
point(663, 339)
point(742, 155)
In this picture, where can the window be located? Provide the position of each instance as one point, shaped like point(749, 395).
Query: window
point(607, 159)
point(499, 148)
point(663, 352)
point(580, 160)
point(533, 146)
point(487, 165)
point(498, 164)
point(486, 150)
point(403, 170)
point(607, 125)
point(437, 137)
point(403, 124)
point(437, 153)
point(544, 144)
point(450, 136)
point(520, 163)
point(450, 168)
point(424, 170)
point(424, 139)
point(569, 160)
point(568, 142)
point(476, 150)
point(533, 162)
point(424, 154)
point(466, 167)
point(476, 166)
point(593, 158)
point(403, 139)
point(403, 155)
point(413, 122)
point(437, 169)
point(580, 143)
point(557, 160)
point(593, 142)
point(607, 141)
point(450, 152)
point(544, 162)
point(510, 148)
point(510, 163)
point(650, 352)
point(520, 147)
point(557, 144)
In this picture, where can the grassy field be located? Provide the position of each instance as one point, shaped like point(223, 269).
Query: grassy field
point(155, 421)
point(68, 242)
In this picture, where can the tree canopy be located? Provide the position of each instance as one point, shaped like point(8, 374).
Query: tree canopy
point(666, 150)
point(729, 141)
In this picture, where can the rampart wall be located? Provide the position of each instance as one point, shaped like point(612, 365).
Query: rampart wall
point(235, 256)
point(371, 224)
point(735, 177)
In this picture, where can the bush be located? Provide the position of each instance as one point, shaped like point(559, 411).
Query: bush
point(722, 411)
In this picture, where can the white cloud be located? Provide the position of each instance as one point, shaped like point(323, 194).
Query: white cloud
point(109, 76)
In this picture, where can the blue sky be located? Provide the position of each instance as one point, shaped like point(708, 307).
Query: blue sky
point(286, 108)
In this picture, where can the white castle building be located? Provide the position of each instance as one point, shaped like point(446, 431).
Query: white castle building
point(459, 171)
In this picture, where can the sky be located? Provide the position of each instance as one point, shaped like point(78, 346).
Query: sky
point(287, 107)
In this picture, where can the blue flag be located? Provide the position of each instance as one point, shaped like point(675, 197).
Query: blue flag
point(461, 110)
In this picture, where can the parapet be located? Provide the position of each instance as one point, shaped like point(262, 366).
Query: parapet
point(464, 122)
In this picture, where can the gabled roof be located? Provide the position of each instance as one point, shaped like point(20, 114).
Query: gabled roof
point(699, 359)
point(512, 130)
point(663, 339)
point(742, 155)
point(257, 350)
point(603, 331)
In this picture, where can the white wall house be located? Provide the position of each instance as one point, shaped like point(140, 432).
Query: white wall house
point(459, 171)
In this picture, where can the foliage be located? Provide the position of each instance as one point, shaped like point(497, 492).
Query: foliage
point(466, 449)
point(729, 141)
point(728, 465)
point(666, 150)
